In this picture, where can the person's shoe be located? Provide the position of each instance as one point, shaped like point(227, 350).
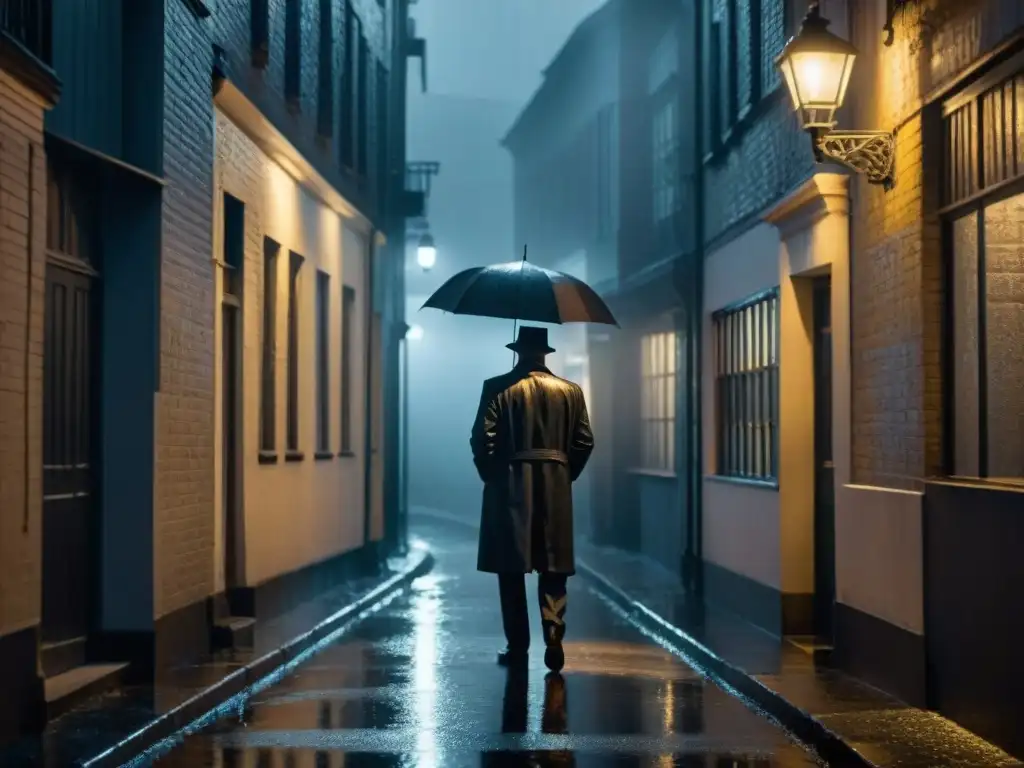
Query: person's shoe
point(554, 657)
point(512, 657)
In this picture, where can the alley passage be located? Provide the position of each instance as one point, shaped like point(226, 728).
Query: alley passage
point(416, 685)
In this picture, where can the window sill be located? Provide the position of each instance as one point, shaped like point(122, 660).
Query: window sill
point(267, 457)
point(664, 474)
point(347, 454)
point(768, 485)
point(198, 8)
point(992, 484)
point(323, 455)
point(294, 456)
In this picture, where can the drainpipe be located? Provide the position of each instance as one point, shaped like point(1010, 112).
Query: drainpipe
point(694, 554)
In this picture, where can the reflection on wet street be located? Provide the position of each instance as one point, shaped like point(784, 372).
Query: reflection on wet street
point(416, 685)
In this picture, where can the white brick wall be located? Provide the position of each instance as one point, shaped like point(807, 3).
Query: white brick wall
point(21, 126)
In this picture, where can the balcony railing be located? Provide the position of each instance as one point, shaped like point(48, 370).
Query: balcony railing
point(29, 22)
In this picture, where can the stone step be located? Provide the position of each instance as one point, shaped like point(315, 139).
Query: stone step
point(234, 632)
point(69, 689)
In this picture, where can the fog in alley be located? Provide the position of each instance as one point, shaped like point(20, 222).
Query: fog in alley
point(485, 62)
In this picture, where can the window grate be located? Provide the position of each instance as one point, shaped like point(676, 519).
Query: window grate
point(746, 348)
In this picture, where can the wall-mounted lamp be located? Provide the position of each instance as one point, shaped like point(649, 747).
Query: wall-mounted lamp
point(426, 252)
point(816, 66)
point(414, 333)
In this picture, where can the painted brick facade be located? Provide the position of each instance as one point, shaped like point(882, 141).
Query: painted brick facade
point(184, 493)
point(897, 292)
point(22, 243)
point(183, 496)
point(265, 87)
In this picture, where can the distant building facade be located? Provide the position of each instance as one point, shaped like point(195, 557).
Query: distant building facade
point(209, 322)
point(604, 190)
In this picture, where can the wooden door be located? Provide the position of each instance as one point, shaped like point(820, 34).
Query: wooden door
point(69, 507)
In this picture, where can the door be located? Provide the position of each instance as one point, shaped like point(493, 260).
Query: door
point(69, 504)
point(230, 457)
point(824, 486)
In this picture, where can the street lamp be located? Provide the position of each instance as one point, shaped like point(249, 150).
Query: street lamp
point(816, 66)
point(426, 253)
point(415, 333)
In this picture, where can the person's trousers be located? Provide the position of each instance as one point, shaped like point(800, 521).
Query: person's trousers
point(514, 612)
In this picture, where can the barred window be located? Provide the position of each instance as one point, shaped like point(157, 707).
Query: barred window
point(658, 402)
point(746, 342)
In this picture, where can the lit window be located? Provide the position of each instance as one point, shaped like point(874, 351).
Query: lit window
point(747, 388)
point(658, 402)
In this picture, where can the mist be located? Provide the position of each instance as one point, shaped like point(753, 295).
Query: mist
point(484, 63)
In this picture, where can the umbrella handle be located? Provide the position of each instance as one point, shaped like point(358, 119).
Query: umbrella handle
point(519, 291)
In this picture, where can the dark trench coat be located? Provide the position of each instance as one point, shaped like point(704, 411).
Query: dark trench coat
point(531, 440)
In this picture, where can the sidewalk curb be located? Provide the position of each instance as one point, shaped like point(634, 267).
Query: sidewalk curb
point(201, 705)
point(804, 726)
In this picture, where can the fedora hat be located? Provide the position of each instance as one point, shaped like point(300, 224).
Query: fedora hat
point(531, 339)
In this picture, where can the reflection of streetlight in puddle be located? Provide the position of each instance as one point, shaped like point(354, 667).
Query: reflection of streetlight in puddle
point(424, 662)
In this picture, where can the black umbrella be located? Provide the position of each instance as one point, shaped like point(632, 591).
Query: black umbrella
point(519, 290)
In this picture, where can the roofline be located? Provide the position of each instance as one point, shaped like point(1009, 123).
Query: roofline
point(508, 139)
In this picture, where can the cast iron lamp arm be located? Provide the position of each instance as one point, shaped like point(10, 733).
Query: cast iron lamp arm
point(869, 152)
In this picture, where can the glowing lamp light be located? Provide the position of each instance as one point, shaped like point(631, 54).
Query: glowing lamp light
point(415, 332)
point(426, 253)
point(816, 66)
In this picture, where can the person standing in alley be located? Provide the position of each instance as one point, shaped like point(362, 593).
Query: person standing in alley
point(531, 440)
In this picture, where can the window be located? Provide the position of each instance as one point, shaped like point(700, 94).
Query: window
point(658, 402)
point(362, 117)
point(754, 57)
point(293, 52)
point(348, 313)
point(294, 267)
point(268, 390)
point(606, 190)
point(793, 12)
point(325, 71)
point(259, 31)
point(729, 69)
point(713, 91)
point(233, 244)
point(665, 158)
point(382, 135)
point(746, 388)
point(323, 356)
point(984, 239)
point(348, 109)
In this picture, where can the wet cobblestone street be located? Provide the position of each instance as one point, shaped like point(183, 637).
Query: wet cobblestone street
point(416, 684)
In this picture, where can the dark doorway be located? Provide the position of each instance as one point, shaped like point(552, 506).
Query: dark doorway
point(70, 420)
point(231, 400)
point(824, 473)
point(69, 505)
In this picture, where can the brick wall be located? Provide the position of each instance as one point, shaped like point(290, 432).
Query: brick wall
point(767, 155)
point(22, 241)
point(265, 87)
point(896, 280)
point(185, 479)
point(183, 507)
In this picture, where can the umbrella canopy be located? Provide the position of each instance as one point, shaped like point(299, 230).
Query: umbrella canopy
point(518, 290)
